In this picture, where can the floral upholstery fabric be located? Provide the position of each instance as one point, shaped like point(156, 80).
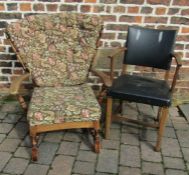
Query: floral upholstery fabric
point(51, 105)
point(57, 48)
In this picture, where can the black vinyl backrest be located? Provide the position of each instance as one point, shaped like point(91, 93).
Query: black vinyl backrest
point(149, 47)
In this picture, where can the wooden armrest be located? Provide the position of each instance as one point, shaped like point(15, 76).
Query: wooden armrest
point(111, 53)
point(117, 52)
point(15, 85)
point(108, 52)
point(104, 77)
point(178, 59)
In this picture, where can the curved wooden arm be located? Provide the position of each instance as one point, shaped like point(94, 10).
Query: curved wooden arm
point(116, 54)
point(15, 85)
point(111, 53)
point(178, 59)
point(104, 77)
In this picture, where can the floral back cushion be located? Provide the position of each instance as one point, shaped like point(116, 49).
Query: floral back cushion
point(57, 48)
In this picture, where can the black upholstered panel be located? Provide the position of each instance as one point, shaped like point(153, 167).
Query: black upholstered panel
point(149, 47)
point(141, 89)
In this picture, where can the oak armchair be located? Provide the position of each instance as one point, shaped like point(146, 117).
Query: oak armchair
point(57, 51)
point(149, 48)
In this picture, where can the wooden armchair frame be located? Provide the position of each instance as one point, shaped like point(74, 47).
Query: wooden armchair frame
point(162, 112)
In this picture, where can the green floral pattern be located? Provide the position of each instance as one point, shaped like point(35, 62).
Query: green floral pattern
point(51, 105)
point(57, 48)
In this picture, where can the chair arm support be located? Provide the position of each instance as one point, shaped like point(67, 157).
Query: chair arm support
point(112, 57)
point(177, 57)
point(104, 77)
point(117, 52)
point(15, 85)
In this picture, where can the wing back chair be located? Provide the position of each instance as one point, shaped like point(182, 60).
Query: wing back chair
point(57, 50)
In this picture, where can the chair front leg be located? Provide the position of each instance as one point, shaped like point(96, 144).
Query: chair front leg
point(108, 117)
point(95, 134)
point(159, 114)
point(34, 140)
point(162, 121)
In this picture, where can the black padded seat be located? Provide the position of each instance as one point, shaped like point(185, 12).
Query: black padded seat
point(141, 89)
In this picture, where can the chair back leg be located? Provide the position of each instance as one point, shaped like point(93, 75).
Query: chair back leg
point(108, 117)
point(96, 138)
point(102, 94)
point(22, 102)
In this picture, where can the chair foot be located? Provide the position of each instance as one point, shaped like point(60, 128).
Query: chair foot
point(97, 148)
point(34, 155)
point(96, 138)
point(158, 144)
point(157, 148)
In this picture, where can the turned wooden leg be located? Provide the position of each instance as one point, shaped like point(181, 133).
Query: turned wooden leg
point(159, 114)
point(102, 94)
point(22, 102)
point(34, 140)
point(162, 121)
point(108, 117)
point(96, 138)
point(95, 134)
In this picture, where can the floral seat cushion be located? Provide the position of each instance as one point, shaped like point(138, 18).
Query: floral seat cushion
point(51, 105)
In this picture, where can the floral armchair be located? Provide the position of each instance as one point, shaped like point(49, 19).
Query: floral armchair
point(57, 50)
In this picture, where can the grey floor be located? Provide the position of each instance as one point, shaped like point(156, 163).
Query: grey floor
point(129, 151)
